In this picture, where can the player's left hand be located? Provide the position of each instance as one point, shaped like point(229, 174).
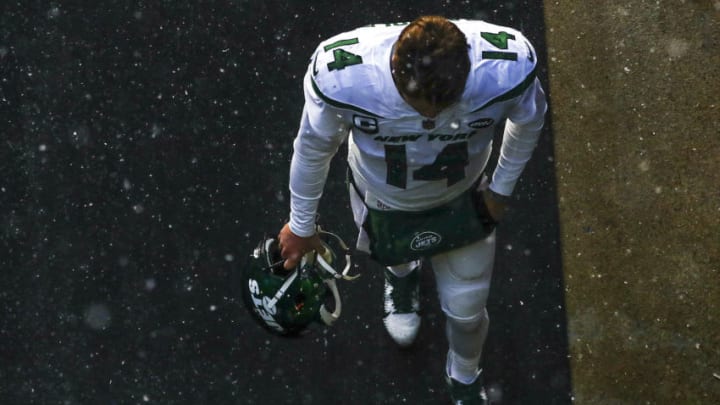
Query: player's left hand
point(495, 207)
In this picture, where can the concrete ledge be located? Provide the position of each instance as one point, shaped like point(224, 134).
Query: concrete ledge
point(634, 90)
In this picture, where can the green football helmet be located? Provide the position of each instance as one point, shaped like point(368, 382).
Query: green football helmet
point(284, 301)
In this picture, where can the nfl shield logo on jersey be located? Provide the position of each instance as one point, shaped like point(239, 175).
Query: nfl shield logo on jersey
point(481, 123)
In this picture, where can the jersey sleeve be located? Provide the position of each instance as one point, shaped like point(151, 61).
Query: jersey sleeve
point(522, 130)
point(323, 129)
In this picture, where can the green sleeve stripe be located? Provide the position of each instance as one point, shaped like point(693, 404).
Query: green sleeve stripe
point(499, 55)
point(338, 104)
point(518, 90)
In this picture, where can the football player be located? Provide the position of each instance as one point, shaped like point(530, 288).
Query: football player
point(418, 104)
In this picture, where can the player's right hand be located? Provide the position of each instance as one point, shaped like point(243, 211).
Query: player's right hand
point(293, 247)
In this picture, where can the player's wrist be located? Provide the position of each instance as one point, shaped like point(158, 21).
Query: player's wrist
point(495, 196)
point(301, 230)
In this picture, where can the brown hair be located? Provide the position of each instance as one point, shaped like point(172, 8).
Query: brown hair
point(430, 61)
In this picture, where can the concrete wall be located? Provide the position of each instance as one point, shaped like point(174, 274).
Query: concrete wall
point(636, 115)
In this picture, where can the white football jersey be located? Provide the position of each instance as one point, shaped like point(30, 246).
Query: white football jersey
point(407, 161)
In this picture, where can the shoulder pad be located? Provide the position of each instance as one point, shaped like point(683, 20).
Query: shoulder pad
point(345, 70)
point(503, 62)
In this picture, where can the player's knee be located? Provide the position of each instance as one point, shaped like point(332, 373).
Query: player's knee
point(466, 307)
point(465, 325)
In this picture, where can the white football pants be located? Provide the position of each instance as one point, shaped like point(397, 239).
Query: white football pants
point(463, 284)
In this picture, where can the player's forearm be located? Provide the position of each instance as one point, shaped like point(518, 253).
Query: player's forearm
point(517, 147)
point(522, 130)
point(308, 172)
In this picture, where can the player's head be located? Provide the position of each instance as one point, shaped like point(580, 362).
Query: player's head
point(430, 63)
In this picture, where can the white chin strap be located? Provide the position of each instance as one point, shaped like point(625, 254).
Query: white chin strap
point(330, 317)
point(328, 268)
point(323, 260)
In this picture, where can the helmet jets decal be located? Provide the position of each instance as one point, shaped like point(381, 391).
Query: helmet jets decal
point(284, 301)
